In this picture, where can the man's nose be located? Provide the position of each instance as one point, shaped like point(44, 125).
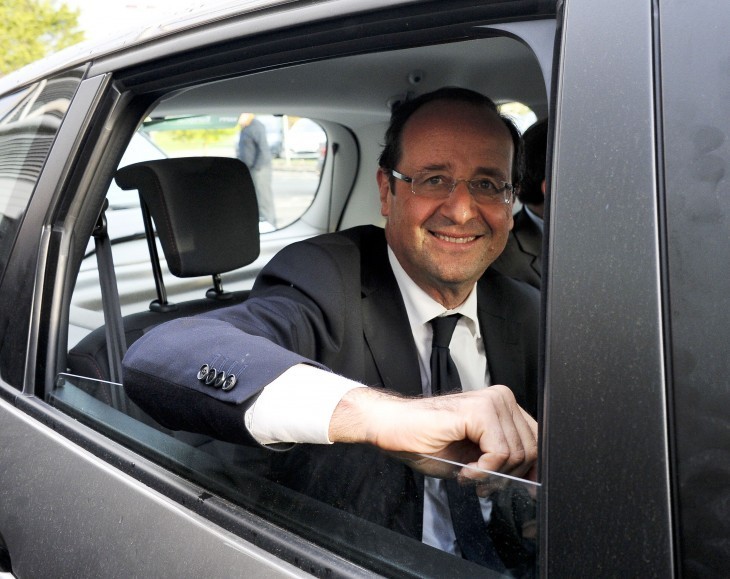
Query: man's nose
point(460, 206)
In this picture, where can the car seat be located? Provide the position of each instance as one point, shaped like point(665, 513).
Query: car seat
point(206, 218)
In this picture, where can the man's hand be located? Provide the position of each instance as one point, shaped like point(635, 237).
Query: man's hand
point(484, 429)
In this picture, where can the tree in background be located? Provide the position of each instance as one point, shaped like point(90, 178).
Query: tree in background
point(32, 29)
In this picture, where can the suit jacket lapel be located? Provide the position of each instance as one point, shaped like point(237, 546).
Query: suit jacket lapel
point(501, 335)
point(385, 321)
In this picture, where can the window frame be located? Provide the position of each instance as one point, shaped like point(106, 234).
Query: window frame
point(605, 435)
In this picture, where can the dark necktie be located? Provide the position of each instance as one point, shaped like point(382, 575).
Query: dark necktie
point(444, 375)
point(466, 514)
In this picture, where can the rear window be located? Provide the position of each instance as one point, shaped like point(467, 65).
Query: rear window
point(29, 121)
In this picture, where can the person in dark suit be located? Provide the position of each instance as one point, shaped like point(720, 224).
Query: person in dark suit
point(522, 257)
point(329, 315)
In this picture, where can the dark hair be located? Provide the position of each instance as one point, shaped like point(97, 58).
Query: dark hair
point(535, 144)
point(391, 153)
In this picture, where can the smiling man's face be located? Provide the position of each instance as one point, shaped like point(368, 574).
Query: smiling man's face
point(445, 245)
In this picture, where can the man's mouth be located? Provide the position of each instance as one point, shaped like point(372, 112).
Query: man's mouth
point(451, 239)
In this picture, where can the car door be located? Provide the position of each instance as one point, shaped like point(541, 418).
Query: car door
point(633, 420)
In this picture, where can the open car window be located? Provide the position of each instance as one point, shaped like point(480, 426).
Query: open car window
point(323, 164)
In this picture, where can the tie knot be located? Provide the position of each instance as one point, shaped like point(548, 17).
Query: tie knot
point(443, 329)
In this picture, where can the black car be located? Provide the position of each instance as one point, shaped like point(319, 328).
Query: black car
point(634, 477)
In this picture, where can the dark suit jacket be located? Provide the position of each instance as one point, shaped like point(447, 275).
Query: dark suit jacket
point(522, 257)
point(332, 299)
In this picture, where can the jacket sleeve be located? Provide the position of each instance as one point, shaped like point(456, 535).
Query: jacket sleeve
point(292, 317)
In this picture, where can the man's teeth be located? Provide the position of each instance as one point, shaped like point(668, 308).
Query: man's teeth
point(455, 239)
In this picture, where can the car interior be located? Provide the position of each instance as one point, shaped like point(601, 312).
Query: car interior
point(178, 234)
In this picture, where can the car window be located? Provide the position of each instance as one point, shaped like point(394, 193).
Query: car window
point(286, 156)
point(522, 115)
point(295, 181)
point(321, 168)
point(29, 120)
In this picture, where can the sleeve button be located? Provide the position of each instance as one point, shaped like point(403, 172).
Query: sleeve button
point(220, 379)
point(212, 375)
point(230, 382)
point(203, 372)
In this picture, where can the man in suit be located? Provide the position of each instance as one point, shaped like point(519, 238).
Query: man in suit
point(522, 257)
point(330, 315)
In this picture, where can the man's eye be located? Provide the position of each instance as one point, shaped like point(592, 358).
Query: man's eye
point(432, 180)
point(483, 184)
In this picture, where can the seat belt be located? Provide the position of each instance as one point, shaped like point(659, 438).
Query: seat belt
point(116, 345)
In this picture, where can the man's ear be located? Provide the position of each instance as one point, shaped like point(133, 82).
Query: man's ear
point(385, 192)
point(543, 187)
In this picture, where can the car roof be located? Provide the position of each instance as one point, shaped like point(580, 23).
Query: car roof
point(291, 90)
point(509, 68)
point(176, 22)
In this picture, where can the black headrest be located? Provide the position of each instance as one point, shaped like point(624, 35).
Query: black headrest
point(204, 209)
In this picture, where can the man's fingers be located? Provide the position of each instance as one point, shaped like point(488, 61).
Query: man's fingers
point(485, 429)
point(527, 430)
point(509, 443)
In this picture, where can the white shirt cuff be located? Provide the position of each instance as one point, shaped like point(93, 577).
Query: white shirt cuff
point(297, 406)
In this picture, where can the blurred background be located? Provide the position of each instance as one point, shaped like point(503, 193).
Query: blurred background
point(33, 29)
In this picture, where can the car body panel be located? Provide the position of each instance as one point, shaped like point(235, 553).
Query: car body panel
point(108, 523)
point(695, 131)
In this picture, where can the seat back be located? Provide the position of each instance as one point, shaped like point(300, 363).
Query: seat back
point(206, 216)
point(204, 209)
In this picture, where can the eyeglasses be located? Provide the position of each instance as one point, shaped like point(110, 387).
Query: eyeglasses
point(434, 185)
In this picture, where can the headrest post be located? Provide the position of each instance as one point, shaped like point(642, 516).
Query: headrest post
point(216, 292)
point(160, 304)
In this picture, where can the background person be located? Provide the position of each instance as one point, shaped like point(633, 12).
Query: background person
point(522, 257)
point(253, 149)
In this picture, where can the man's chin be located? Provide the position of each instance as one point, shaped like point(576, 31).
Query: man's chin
point(459, 278)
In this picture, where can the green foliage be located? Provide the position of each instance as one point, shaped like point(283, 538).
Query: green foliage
point(194, 138)
point(32, 29)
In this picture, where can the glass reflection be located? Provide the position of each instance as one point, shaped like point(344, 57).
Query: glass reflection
point(376, 517)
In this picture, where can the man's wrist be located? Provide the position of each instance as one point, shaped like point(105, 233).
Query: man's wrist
point(358, 415)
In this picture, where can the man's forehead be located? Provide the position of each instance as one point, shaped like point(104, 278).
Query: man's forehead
point(452, 118)
point(438, 128)
point(454, 110)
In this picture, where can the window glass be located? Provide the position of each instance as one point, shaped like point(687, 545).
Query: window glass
point(271, 485)
point(29, 120)
point(284, 153)
point(521, 114)
point(297, 155)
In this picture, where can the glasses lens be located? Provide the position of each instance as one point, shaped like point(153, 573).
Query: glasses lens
point(486, 191)
point(438, 186)
point(432, 185)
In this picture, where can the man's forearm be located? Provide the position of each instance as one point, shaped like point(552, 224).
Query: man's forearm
point(485, 429)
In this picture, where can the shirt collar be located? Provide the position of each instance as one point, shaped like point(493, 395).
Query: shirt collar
point(537, 220)
point(422, 308)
